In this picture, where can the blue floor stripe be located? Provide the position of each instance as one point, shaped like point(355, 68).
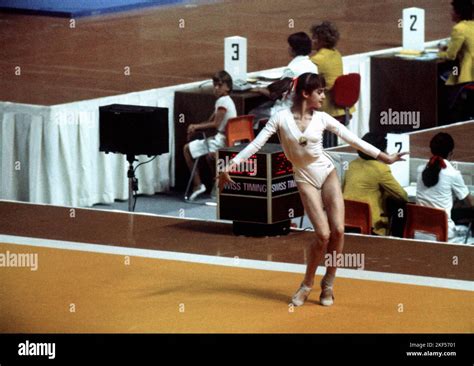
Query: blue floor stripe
point(78, 8)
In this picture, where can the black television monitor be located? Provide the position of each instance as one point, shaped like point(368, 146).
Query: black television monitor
point(133, 130)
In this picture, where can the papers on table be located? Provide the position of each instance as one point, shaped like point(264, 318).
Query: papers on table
point(426, 55)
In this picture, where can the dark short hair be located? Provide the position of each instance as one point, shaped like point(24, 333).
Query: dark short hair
point(442, 144)
point(463, 8)
point(308, 82)
point(375, 139)
point(300, 43)
point(224, 78)
point(327, 34)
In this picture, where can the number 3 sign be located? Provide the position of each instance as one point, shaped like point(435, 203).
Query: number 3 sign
point(414, 29)
point(235, 57)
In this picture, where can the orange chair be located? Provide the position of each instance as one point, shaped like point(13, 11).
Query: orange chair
point(427, 219)
point(358, 216)
point(240, 129)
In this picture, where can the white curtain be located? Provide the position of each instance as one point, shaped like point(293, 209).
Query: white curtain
point(51, 154)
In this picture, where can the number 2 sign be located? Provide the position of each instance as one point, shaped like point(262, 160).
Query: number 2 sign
point(397, 143)
point(414, 29)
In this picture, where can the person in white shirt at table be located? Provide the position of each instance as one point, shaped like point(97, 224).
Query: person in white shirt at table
point(299, 48)
point(439, 183)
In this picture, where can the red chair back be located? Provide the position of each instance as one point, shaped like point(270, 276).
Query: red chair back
point(427, 219)
point(469, 87)
point(239, 129)
point(346, 90)
point(358, 216)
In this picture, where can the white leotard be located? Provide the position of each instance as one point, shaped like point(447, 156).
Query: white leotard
point(310, 163)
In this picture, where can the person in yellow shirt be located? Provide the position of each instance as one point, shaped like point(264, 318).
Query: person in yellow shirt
point(371, 181)
point(329, 62)
point(461, 50)
point(461, 45)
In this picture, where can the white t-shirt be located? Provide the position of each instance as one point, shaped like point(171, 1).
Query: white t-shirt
point(299, 65)
point(450, 186)
point(227, 103)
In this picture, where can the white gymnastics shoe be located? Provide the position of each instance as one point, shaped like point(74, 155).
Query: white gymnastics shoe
point(327, 295)
point(197, 192)
point(301, 295)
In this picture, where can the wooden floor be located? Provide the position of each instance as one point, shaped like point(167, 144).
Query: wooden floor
point(216, 239)
point(59, 64)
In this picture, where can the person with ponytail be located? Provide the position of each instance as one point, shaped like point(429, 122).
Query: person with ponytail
point(300, 128)
point(439, 183)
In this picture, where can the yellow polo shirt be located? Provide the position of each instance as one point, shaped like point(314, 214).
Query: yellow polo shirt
point(371, 181)
point(461, 47)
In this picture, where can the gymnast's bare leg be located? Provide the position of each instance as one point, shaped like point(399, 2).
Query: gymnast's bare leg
point(325, 209)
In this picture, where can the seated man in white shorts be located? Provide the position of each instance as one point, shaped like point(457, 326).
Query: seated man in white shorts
point(223, 111)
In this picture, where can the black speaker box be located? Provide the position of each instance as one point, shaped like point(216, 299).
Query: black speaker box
point(133, 130)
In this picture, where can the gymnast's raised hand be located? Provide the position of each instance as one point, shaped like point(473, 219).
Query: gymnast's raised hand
point(391, 158)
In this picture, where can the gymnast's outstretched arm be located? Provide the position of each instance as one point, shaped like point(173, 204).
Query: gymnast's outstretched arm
point(254, 146)
point(344, 133)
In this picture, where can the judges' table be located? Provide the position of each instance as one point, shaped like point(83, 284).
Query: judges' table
point(407, 94)
point(264, 197)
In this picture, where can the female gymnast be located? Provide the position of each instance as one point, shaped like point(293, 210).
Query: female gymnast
point(300, 129)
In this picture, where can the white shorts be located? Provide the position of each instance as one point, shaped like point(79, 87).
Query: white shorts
point(316, 172)
point(202, 147)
